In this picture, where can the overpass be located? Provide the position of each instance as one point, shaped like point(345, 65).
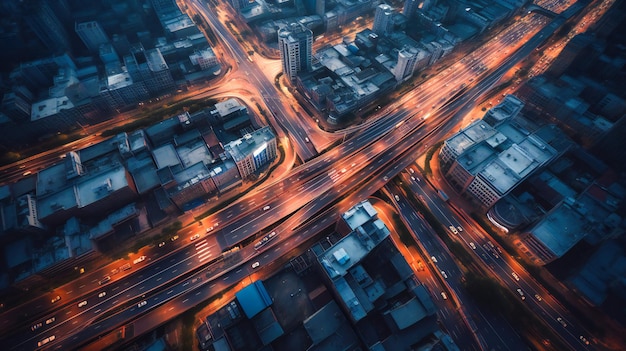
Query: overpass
point(542, 11)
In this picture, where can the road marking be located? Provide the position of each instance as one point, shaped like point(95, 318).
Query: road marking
point(188, 263)
point(185, 300)
point(169, 292)
point(212, 285)
point(174, 271)
point(74, 322)
point(198, 293)
point(68, 312)
point(115, 302)
point(82, 286)
point(98, 310)
point(159, 267)
point(158, 279)
point(225, 278)
point(201, 244)
point(171, 308)
point(97, 326)
point(186, 283)
point(205, 254)
point(69, 292)
point(204, 249)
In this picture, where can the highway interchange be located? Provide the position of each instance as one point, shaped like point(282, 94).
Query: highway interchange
point(171, 281)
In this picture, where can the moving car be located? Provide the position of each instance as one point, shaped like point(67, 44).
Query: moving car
point(444, 296)
point(453, 229)
point(102, 294)
point(515, 276)
point(50, 320)
point(266, 208)
point(562, 321)
point(36, 326)
point(256, 264)
point(209, 229)
point(444, 274)
point(521, 293)
point(82, 304)
point(162, 243)
point(174, 237)
point(55, 299)
point(194, 237)
point(538, 297)
point(141, 304)
point(473, 246)
point(45, 341)
point(139, 259)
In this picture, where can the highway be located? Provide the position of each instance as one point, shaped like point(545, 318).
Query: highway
point(369, 152)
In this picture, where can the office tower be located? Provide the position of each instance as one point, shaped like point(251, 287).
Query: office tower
point(42, 20)
point(410, 7)
point(163, 6)
point(92, 35)
point(383, 20)
point(406, 64)
point(149, 67)
point(295, 43)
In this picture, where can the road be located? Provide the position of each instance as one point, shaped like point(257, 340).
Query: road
point(369, 152)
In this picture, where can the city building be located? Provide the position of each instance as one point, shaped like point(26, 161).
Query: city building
point(407, 58)
point(149, 67)
point(295, 43)
point(92, 35)
point(44, 21)
point(383, 20)
point(253, 151)
point(486, 162)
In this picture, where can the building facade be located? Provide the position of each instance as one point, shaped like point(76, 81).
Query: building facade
point(295, 43)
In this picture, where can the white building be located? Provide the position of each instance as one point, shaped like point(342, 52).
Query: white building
point(295, 43)
point(383, 20)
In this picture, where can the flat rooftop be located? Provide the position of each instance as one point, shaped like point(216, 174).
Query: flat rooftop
point(560, 230)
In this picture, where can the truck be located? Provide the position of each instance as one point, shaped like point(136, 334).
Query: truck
point(443, 195)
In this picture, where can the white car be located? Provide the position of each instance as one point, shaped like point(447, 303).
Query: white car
point(266, 208)
point(194, 237)
point(473, 246)
point(515, 276)
point(141, 304)
point(397, 197)
point(50, 320)
point(411, 170)
point(139, 259)
point(162, 243)
point(562, 321)
point(444, 274)
point(521, 293)
point(255, 264)
point(82, 304)
point(102, 294)
point(453, 229)
point(45, 341)
point(36, 326)
point(55, 299)
point(444, 296)
point(459, 228)
point(433, 258)
point(538, 297)
point(209, 229)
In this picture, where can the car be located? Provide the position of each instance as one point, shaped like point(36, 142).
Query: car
point(45, 341)
point(343, 170)
point(411, 170)
point(538, 297)
point(104, 280)
point(174, 238)
point(413, 178)
point(444, 296)
point(473, 246)
point(396, 197)
point(209, 229)
point(433, 258)
point(459, 228)
point(353, 164)
point(256, 264)
point(453, 229)
point(82, 304)
point(562, 321)
point(162, 243)
point(142, 303)
point(444, 274)
point(36, 326)
point(50, 320)
point(521, 293)
point(55, 299)
point(102, 294)
point(266, 208)
point(139, 259)
point(584, 340)
point(216, 224)
point(385, 178)
point(307, 139)
point(194, 237)
point(515, 276)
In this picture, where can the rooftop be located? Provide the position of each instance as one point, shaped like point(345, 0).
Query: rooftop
point(560, 230)
point(359, 214)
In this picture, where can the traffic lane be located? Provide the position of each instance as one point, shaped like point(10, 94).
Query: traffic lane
point(454, 284)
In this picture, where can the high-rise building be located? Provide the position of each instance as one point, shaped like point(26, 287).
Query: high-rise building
point(383, 20)
point(92, 35)
point(43, 21)
point(410, 7)
point(149, 66)
point(295, 43)
point(406, 64)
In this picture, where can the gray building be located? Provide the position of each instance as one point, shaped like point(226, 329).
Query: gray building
point(295, 43)
point(253, 151)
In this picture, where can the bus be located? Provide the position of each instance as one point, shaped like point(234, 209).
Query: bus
point(442, 195)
